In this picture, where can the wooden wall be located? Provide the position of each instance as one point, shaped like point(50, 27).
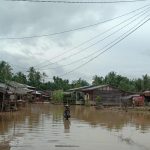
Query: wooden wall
point(108, 95)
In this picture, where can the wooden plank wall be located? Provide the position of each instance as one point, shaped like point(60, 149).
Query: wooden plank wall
point(108, 97)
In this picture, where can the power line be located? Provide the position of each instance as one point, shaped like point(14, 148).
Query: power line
point(111, 20)
point(98, 23)
point(76, 61)
point(78, 52)
point(130, 32)
point(90, 38)
point(80, 2)
point(70, 30)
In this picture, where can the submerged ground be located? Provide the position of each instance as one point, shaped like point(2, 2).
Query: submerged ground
point(42, 127)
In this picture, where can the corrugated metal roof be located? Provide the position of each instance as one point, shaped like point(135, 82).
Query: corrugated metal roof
point(19, 85)
point(80, 88)
point(2, 85)
point(15, 84)
point(22, 91)
point(94, 87)
point(129, 96)
point(30, 87)
point(146, 93)
point(15, 87)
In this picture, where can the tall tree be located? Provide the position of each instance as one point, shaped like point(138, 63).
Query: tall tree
point(146, 82)
point(34, 77)
point(44, 75)
point(97, 80)
point(138, 84)
point(20, 77)
point(79, 83)
point(59, 83)
point(5, 71)
point(111, 79)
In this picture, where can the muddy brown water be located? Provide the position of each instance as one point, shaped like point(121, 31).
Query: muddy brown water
point(42, 127)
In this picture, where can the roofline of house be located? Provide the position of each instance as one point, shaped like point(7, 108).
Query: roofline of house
point(79, 88)
point(94, 87)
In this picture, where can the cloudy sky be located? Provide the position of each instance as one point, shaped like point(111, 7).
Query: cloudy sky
point(63, 53)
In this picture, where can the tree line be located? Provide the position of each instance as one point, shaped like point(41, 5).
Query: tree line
point(38, 79)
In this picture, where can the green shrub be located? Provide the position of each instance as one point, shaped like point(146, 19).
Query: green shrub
point(58, 96)
point(98, 100)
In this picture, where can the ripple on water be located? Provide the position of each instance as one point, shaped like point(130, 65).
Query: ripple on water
point(45, 129)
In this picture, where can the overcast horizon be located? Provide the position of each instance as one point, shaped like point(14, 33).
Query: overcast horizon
point(129, 58)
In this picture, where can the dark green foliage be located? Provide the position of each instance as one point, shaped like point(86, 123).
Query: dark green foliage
point(5, 71)
point(98, 80)
point(59, 83)
point(34, 77)
point(38, 80)
point(124, 83)
point(79, 83)
point(20, 77)
point(58, 96)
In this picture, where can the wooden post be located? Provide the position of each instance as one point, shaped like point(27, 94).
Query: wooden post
point(76, 97)
point(2, 109)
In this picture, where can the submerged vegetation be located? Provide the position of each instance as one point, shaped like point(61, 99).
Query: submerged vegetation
point(40, 81)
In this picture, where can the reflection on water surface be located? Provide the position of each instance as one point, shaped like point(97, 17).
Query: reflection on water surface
point(41, 126)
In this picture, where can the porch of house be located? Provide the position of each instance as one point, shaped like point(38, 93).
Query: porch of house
point(74, 97)
point(79, 98)
point(89, 98)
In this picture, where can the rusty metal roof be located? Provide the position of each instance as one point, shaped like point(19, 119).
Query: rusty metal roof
point(94, 87)
point(80, 88)
point(146, 93)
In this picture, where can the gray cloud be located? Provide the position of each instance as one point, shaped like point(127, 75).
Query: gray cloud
point(25, 19)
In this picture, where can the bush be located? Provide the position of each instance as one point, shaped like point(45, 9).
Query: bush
point(98, 99)
point(58, 96)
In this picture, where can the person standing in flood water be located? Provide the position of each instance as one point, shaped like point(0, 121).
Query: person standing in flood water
point(67, 112)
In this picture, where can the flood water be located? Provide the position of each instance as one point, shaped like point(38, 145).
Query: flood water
point(42, 127)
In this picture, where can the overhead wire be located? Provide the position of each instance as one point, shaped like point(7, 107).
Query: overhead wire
point(98, 23)
point(97, 42)
point(77, 61)
point(91, 25)
point(125, 35)
point(79, 2)
point(72, 49)
point(71, 30)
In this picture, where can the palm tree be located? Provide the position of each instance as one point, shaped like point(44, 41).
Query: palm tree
point(5, 71)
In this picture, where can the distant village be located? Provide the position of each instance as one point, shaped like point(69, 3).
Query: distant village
point(18, 89)
point(14, 95)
